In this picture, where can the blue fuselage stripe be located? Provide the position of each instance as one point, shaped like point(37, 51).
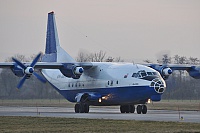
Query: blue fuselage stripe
point(118, 95)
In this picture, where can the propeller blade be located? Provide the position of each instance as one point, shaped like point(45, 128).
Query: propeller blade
point(29, 70)
point(19, 63)
point(35, 60)
point(21, 82)
point(39, 77)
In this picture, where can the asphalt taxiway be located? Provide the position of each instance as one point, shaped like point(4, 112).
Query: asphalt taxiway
point(102, 113)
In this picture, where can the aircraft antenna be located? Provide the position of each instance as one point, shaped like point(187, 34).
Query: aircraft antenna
point(137, 66)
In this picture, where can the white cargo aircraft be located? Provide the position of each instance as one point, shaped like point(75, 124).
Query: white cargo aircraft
point(97, 83)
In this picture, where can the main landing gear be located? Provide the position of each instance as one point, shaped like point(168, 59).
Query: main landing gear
point(131, 109)
point(81, 108)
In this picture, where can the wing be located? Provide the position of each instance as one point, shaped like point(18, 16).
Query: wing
point(46, 65)
point(167, 69)
point(25, 70)
point(39, 65)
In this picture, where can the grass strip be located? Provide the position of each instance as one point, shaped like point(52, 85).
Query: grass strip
point(74, 125)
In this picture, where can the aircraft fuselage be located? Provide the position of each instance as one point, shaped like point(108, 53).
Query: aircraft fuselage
point(110, 83)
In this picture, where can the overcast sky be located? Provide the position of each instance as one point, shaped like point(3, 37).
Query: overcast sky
point(132, 29)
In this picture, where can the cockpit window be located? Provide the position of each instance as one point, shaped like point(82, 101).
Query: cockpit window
point(149, 73)
point(136, 75)
point(143, 73)
point(155, 73)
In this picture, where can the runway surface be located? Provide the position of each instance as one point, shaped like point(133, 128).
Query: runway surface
point(102, 113)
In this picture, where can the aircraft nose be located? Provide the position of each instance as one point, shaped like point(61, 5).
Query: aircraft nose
point(159, 85)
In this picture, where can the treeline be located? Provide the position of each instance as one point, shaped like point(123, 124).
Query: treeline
point(180, 86)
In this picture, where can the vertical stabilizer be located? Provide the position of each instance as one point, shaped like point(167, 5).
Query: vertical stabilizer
point(53, 51)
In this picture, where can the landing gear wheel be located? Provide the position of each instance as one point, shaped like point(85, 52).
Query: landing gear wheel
point(76, 108)
point(122, 109)
point(144, 109)
point(81, 108)
point(86, 108)
point(132, 108)
point(127, 108)
point(139, 109)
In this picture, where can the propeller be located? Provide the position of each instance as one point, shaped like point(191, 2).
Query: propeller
point(28, 71)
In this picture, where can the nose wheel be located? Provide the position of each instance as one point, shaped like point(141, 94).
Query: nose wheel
point(141, 109)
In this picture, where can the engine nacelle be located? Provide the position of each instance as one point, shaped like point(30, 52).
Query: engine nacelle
point(164, 71)
point(72, 71)
point(18, 71)
point(194, 72)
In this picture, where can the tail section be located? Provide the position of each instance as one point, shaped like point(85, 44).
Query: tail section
point(53, 51)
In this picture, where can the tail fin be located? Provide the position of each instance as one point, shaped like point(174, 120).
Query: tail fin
point(53, 51)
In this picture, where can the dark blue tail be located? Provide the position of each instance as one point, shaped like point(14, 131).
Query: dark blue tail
point(53, 51)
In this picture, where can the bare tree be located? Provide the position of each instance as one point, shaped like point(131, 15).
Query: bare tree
point(83, 57)
point(110, 59)
point(176, 59)
point(165, 59)
point(91, 57)
point(20, 57)
point(193, 60)
point(183, 60)
point(99, 56)
point(118, 59)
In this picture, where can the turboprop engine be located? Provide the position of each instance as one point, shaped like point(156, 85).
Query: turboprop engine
point(71, 70)
point(164, 71)
point(26, 71)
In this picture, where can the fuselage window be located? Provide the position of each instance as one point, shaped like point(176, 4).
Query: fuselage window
point(117, 82)
point(111, 83)
point(72, 85)
point(76, 85)
point(79, 85)
point(108, 82)
point(69, 85)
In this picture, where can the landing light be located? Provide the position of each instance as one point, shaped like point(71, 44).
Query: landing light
point(99, 100)
point(104, 98)
point(149, 101)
